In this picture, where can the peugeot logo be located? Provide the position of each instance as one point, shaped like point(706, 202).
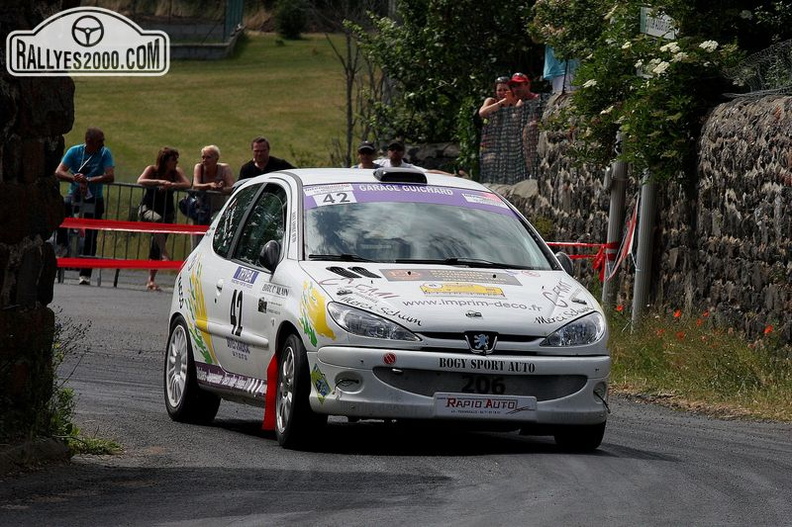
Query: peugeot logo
point(87, 31)
point(481, 342)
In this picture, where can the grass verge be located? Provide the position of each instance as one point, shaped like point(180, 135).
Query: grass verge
point(291, 91)
point(684, 362)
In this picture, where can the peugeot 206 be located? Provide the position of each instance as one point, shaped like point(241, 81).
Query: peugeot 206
point(387, 294)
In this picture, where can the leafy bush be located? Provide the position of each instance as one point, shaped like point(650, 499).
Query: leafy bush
point(291, 18)
point(656, 91)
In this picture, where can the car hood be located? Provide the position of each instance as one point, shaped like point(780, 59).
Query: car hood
point(449, 298)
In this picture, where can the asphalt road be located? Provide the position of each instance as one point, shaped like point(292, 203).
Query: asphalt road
point(655, 467)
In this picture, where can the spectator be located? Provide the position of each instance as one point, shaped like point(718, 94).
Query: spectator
point(520, 84)
point(212, 175)
point(87, 167)
point(366, 153)
point(395, 157)
point(503, 97)
point(531, 104)
point(160, 180)
point(262, 161)
point(560, 73)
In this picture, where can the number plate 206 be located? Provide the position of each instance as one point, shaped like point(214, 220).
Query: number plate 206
point(491, 384)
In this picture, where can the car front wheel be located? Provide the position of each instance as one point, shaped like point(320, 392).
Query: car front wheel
point(296, 425)
point(185, 400)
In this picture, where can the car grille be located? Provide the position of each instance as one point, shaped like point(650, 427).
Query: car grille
point(423, 382)
point(511, 345)
point(461, 337)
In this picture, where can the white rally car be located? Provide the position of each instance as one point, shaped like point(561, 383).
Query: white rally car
point(386, 294)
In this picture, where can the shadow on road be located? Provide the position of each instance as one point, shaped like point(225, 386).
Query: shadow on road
point(410, 439)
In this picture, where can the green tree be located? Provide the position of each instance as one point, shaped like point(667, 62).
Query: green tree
point(436, 53)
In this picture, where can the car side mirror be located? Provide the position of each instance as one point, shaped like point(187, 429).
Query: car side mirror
point(270, 255)
point(565, 261)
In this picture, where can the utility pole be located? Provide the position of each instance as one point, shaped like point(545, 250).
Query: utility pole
point(643, 264)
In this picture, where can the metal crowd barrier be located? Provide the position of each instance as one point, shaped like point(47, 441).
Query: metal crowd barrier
point(122, 243)
point(123, 239)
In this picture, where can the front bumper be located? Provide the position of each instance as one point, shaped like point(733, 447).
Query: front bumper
point(398, 384)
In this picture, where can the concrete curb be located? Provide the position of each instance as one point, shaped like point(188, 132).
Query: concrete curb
point(33, 453)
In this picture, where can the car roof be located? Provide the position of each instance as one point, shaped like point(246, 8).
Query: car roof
point(320, 176)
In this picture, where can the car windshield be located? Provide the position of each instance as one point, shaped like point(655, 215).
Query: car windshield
point(416, 223)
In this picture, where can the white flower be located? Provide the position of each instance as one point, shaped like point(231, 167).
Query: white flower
point(612, 13)
point(661, 68)
point(673, 47)
point(679, 57)
point(709, 46)
point(627, 45)
point(589, 83)
point(607, 110)
point(639, 64)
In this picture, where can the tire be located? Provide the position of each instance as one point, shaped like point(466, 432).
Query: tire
point(580, 438)
point(185, 400)
point(296, 425)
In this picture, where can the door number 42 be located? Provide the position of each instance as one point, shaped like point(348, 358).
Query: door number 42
point(236, 313)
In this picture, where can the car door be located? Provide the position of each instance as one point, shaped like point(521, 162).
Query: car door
point(218, 270)
point(254, 306)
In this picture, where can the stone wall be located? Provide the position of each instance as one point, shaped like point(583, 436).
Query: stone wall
point(721, 245)
point(743, 216)
point(35, 113)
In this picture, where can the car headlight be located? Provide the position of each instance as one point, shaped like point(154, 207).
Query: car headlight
point(584, 330)
point(359, 322)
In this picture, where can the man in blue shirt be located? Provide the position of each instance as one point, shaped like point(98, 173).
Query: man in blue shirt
point(87, 167)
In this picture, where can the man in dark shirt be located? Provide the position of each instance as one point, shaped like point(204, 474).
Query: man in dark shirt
point(262, 161)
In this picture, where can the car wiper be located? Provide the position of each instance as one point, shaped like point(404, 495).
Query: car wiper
point(345, 257)
point(465, 261)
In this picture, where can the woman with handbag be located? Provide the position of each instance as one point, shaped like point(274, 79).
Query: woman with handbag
point(214, 176)
point(160, 181)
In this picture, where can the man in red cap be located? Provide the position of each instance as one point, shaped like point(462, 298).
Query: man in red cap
point(520, 85)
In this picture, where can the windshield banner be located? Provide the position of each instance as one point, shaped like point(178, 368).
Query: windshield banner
point(329, 195)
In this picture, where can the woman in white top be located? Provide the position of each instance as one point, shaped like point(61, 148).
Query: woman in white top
point(210, 174)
